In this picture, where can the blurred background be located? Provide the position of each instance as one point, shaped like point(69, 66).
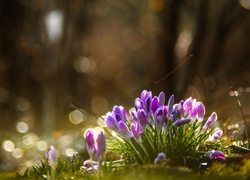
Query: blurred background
point(65, 63)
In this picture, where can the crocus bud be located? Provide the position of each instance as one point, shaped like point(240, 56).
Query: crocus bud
point(161, 98)
point(119, 113)
point(155, 104)
point(133, 115)
point(210, 120)
point(170, 106)
point(188, 105)
point(90, 142)
point(181, 122)
point(160, 158)
point(160, 118)
point(51, 155)
point(216, 135)
point(142, 119)
point(145, 95)
point(148, 103)
point(139, 103)
point(111, 121)
point(101, 144)
point(123, 130)
point(213, 154)
point(200, 110)
point(136, 131)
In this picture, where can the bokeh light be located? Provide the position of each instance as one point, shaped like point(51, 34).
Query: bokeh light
point(54, 24)
point(23, 104)
point(70, 151)
point(30, 139)
point(22, 127)
point(76, 117)
point(8, 145)
point(17, 153)
point(245, 3)
point(84, 65)
point(42, 145)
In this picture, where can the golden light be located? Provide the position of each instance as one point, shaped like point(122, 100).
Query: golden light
point(17, 153)
point(42, 145)
point(183, 42)
point(245, 4)
point(30, 139)
point(69, 152)
point(22, 127)
point(76, 117)
point(84, 65)
point(23, 104)
point(8, 145)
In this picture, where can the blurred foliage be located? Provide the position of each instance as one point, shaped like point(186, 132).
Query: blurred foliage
point(60, 56)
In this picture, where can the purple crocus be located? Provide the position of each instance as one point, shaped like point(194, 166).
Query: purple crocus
point(136, 131)
point(175, 111)
point(51, 155)
point(90, 141)
point(133, 115)
point(161, 98)
point(101, 144)
point(144, 102)
point(188, 106)
point(142, 119)
point(160, 158)
point(199, 110)
point(214, 154)
point(170, 106)
point(181, 122)
point(155, 104)
point(210, 120)
point(123, 130)
point(216, 135)
point(119, 113)
point(159, 117)
point(111, 122)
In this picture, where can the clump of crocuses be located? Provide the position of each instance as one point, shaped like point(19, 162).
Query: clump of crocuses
point(156, 126)
point(96, 149)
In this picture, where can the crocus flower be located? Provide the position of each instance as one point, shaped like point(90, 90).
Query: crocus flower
point(199, 110)
point(159, 117)
point(123, 130)
point(213, 154)
point(90, 166)
point(145, 95)
point(181, 122)
point(188, 106)
point(88, 163)
point(136, 131)
point(210, 120)
point(170, 106)
point(111, 121)
point(133, 115)
point(160, 158)
point(90, 142)
point(175, 111)
point(145, 101)
point(161, 98)
point(101, 144)
point(216, 135)
point(142, 119)
point(51, 155)
point(119, 113)
point(155, 104)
